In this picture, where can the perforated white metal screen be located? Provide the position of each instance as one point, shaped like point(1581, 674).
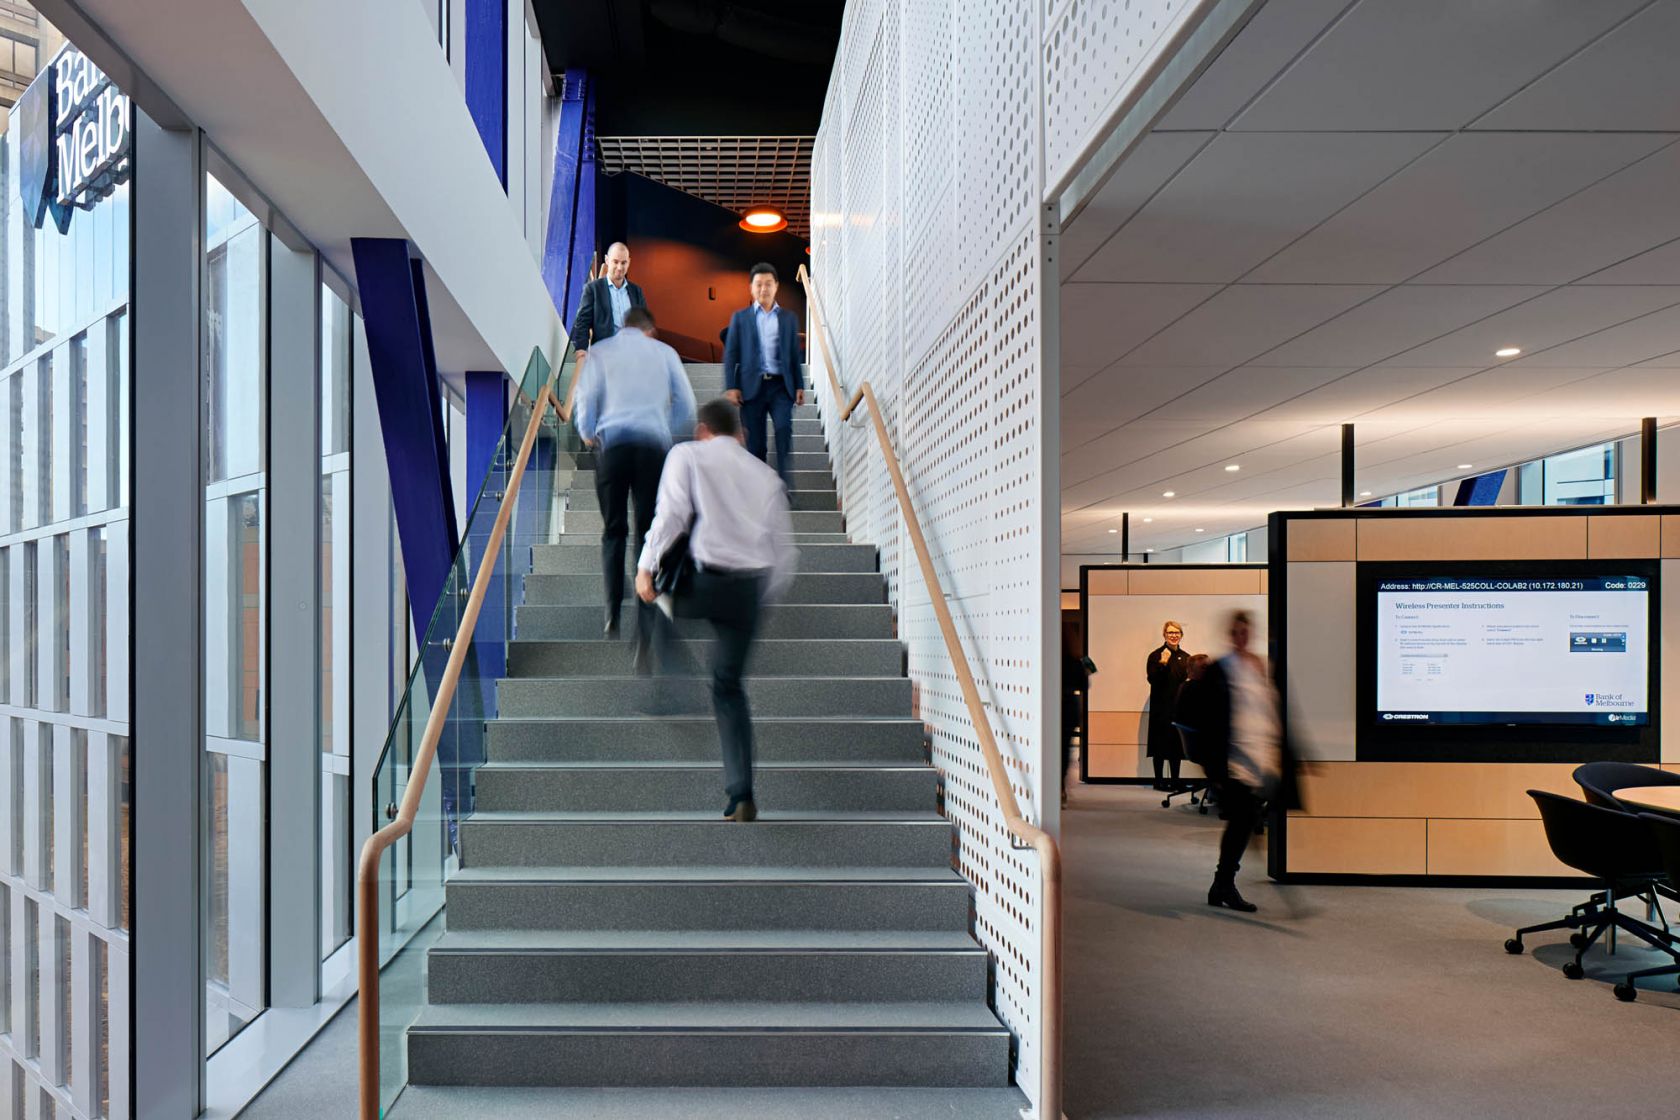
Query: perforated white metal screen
point(931, 247)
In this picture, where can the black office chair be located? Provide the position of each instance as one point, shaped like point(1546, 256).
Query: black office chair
point(1665, 830)
point(1199, 789)
point(1618, 850)
point(1599, 781)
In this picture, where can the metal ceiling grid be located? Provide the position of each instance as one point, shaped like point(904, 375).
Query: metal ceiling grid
point(735, 172)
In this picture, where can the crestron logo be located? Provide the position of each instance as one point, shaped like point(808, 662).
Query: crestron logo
point(75, 139)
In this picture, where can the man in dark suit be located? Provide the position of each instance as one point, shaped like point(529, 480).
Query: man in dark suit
point(606, 300)
point(763, 368)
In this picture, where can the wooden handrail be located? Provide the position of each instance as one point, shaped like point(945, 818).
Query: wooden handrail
point(367, 871)
point(1025, 832)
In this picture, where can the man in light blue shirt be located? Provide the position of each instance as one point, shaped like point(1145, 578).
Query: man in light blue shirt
point(634, 394)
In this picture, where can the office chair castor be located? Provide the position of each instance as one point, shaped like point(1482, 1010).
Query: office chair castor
point(1202, 809)
point(1572, 970)
point(1513, 945)
point(1625, 992)
point(1577, 941)
point(1166, 803)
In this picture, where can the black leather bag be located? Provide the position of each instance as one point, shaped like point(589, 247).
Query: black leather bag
point(675, 574)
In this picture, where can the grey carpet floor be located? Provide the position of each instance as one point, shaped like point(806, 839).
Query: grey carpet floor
point(1331, 1001)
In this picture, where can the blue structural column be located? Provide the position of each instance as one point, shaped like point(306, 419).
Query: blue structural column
point(487, 77)
point(571, 204)
point(403, 365)
point(487, 414)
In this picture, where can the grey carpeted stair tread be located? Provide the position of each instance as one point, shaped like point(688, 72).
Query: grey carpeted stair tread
point(732, 1015)
point(431, 1102)
point(807, 588)
point(779, 658)
point(704, 874)
point(769, 696)
point(705, 941)
point(510, 786)
point(694, 739)
point(557, 559)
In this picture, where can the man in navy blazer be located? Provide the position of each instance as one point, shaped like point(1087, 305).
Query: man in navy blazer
point(763, 368)
point(606, 300)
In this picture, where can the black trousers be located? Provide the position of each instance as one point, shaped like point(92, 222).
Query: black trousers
point(772, 401)
point(1242, 812)
point(730, 602)
point(624, 472)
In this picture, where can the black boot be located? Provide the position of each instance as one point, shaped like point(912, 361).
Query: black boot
point(1227, 895)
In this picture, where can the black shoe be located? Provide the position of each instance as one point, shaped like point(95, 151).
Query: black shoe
point(643, 663)
point(611, 628)
point(741, 809)
point(1227, 895)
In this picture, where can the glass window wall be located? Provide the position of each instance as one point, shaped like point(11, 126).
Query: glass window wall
point(334, 634)
point(235, 388)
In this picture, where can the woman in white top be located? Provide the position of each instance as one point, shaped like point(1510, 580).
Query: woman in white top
point(1238, 720)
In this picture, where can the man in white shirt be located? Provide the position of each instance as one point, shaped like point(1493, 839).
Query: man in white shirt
point(735, 511)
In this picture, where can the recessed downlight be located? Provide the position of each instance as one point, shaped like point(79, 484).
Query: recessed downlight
point(1114, 530)
point(1166, 493)
point(1233, 466)
point(1466, 466)
point(1507, 351)
point(1201, 530)
point(1364, 493)
point(1149, 550)
point(1147, 520)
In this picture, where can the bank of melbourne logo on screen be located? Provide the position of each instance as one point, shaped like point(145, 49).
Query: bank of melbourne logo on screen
point(74, 147)
point(1589, 699)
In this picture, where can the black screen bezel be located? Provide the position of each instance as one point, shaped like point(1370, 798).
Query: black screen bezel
point(1529, 742)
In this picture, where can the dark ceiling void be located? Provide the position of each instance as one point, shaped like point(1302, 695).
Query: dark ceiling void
point(715, 67)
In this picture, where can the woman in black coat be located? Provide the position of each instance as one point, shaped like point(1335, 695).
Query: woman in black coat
point(1166, 667)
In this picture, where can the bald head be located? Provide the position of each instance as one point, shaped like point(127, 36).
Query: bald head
point(616, 266)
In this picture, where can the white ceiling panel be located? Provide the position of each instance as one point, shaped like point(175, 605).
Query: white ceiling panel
point(1245, 321)
point(1119, 448)
point(1401, 318)
point(1628, 213)
point(1665, 361)
point(1495, 394)
point(1626, 80)
point(1619, 394)
point(1463, 191)
point(1637, 340)
point(1275, 35)
point(1347, 398)
point(1549, 320)
point(1655, 266)
point(1244, 198)
point(1102, 322)
point(1244, 391)
point(1156, 159)
point(1427, 64)
point(1119, 396)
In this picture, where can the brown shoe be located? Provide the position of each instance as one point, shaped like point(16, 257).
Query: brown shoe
point(743, 811)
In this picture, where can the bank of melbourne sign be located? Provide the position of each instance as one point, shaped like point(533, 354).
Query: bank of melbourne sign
point(74, 139)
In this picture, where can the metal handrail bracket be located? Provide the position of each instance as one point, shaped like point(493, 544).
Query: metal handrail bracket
point(1023, 833)
point(367, 871)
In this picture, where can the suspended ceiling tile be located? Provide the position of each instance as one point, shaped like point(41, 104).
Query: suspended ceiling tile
point(1614, 219)
point(1654, 266)
point(1348, 398)
point(1637, 340)
point(1120, 395)
point(1245, 391)
point(1549, 320)
point(1245, 321)
point(1467, 189)
point(1102, 322)
point(1401, 318)
point(1276, 34)
point(1244, 198)
point(1427, 64)
point(1155, 160)
point(1627, 80)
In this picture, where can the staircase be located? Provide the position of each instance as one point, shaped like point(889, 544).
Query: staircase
point(615, 948)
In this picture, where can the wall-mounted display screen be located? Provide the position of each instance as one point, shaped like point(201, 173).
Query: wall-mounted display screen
point(1531, 657)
